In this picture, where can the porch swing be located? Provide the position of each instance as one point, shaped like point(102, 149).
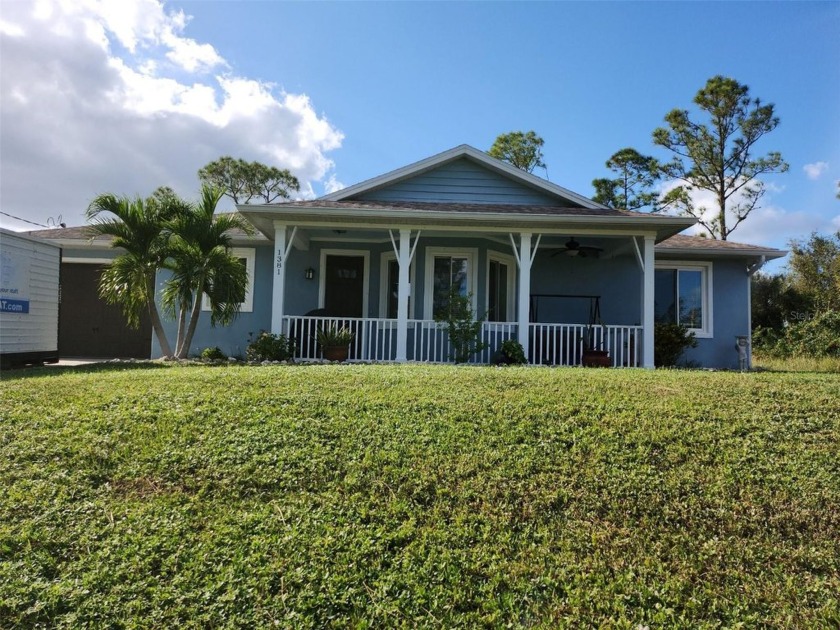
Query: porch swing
point(588, 351)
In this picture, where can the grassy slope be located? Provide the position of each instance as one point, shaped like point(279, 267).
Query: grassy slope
point(418, 496)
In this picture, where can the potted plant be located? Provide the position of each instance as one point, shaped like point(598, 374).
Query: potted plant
point(335, 342)
point(593, 354)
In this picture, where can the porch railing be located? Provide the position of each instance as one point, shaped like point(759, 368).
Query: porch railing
point(550, 344)
point(374, 339)
point(563, 344)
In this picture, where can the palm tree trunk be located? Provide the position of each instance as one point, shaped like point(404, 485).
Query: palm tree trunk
point(157, 326)
point(196, 312)
point(182, 324)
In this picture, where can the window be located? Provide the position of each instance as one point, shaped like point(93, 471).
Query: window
point(246, 257)
point(501, 270)
point(447, 270)
point(682, 296)
point(389, 285)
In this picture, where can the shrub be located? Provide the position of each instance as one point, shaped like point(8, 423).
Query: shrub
point(818, 336)
point(669, 343)
point(269, 347)
point(213, 354)
point(511, 352)
point(462, 327)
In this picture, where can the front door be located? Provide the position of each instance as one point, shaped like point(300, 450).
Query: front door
point(344, 286)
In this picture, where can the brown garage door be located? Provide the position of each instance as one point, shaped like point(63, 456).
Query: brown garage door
point(88, 326)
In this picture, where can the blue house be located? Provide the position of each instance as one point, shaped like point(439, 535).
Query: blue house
point(546, 266)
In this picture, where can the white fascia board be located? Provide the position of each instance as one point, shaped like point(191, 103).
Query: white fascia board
point(645, 222)
point(463, 150)
point(414, 168)
point(499, 224)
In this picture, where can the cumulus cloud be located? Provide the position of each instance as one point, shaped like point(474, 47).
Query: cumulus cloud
point(815, 170)
point(332, 185)
point(102, 96)
point(770, 224)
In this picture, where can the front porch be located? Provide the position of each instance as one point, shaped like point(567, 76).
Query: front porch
point(549, 344)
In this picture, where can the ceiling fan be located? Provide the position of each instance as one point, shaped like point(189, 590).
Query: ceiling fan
point(573, 248)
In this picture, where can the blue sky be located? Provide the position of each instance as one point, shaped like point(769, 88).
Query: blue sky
point(357, 89)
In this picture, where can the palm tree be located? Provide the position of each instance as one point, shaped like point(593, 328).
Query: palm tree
point(201, 264)
point(137, 227)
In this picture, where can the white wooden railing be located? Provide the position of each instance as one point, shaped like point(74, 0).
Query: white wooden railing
point(374, 339)
point(563, 344)
point(550, 344)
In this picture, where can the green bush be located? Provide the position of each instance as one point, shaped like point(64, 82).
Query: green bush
point(818, 336)
point(511, 352)
point(669, 343)
point(213, 354)
point(270, 347)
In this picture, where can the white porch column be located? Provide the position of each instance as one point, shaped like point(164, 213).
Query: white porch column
point(404, 290)
point(647, 303)
point(279, 284)
point(524, 310)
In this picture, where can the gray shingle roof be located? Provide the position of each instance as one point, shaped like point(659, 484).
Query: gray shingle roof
point(699, 243)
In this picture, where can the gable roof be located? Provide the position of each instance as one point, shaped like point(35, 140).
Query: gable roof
point(465, 151)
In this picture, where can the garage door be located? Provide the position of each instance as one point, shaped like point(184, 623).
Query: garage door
point(88, 326)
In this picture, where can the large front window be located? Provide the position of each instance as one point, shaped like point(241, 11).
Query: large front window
point(681, 296)
point(447, 271)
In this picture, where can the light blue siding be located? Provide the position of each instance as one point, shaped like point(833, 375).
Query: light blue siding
point(730, 287)
point(463, 181)
point(233, 339)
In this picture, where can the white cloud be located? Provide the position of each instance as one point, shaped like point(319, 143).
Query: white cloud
point(769, 224)
point(332, 185)
point(10, 30)
point(815, 170)
point(102, 96)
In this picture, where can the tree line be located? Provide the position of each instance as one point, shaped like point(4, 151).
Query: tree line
point(715, 154)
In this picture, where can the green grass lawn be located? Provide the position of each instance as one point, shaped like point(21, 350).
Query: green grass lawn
point(384, 496)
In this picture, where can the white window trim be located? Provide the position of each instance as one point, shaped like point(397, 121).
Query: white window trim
point(322, 275)
point(249, 254)
point(385, 260)
point(707, 293)
point(510, 261)
point(470, 253)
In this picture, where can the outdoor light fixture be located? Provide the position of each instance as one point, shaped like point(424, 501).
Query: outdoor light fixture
point(309, 273)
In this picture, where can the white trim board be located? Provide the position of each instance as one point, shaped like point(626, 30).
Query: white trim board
point(470, 253)
point(249, 254)
point(510, 261)
point(707, 272)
